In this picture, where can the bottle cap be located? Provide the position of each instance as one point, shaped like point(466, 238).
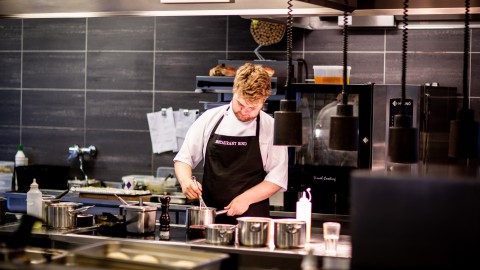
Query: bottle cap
point(20, 147)
point(34, 183)
point(304, 195)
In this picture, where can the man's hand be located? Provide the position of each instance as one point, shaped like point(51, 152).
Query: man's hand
point(191, 189)
point(237, 206)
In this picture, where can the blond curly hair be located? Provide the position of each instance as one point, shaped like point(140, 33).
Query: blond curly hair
point(252, 83)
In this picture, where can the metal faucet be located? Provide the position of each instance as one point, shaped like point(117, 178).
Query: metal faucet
point(77, 152)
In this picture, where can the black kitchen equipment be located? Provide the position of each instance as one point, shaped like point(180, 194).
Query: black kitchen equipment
point(414, 222)
point(314, 164)
point(3, 210)
point(47, 176)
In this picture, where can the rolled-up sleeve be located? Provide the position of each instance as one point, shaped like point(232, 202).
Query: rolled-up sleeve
point(275, 157)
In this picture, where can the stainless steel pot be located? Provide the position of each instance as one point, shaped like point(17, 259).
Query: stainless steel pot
point(289, 233)
point(253, 231)
point(63, 215)
point(45, 203)
point(140, 218)
point(201, 215)
point(220, 234)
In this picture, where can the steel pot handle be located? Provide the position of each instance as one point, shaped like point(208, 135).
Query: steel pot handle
point(220, 212)
point(292, 228)
point(79, 210)
point(221, 233)
point(255, 227)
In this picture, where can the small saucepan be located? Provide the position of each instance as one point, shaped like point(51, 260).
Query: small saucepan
point(63, 215)
point(197, 215)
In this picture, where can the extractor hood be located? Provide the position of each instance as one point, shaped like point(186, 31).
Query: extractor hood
point(104, 8)
point(309, 14)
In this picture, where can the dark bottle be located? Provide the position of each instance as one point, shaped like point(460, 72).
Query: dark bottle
point(165, 218)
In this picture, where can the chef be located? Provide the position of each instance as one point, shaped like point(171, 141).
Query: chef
point(242, 167)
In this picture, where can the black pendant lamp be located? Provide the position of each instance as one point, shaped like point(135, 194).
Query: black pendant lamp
point(344, 125)
point(403, 137)
point(464, 131)
point(288, 122)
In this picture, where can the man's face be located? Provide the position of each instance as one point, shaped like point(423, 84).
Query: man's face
point(245, 110)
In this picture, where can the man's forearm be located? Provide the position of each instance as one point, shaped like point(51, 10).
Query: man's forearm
point(260, 192)
point(183, 172)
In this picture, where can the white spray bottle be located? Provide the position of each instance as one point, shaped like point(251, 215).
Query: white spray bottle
point(304, 212)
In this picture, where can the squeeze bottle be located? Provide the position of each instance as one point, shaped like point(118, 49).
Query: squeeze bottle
point(34, 200)
point(20, 158)
point(304, 212)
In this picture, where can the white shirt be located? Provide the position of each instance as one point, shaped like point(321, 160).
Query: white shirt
point(274, 157)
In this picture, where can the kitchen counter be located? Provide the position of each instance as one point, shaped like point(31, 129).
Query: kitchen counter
point(16, 202)
point(240, 256)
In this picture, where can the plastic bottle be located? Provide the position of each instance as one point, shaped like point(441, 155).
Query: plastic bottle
point(20, 158)
point(304, 212)
point(165, 218)
point(34, 200)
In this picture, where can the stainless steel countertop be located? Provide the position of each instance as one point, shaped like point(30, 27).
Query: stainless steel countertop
point(84, 236)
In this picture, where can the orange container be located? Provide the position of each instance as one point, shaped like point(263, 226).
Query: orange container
point(330, 74)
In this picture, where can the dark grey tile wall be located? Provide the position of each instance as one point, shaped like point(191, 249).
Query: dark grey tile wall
point(91, 81)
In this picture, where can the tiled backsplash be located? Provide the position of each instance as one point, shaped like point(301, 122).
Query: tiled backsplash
point(91, 81)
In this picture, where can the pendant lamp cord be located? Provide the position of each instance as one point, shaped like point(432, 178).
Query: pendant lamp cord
point(345, 50)
point(289, 45)
point(466, 55)
point(404, 55)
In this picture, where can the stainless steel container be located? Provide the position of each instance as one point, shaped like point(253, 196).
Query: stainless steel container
point(63, 215)
point(45, 203)
point(253, 231)
point(201, 215)
point(140, 218)
point(220, 234)
point(289, 233)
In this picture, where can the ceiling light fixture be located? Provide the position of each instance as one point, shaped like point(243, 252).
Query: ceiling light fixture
point(403, 137)
point(464, 131)
point(288, 122)
point(344, 125)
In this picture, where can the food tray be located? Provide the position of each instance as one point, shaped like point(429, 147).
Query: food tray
point(101, 254)
point(110, 191)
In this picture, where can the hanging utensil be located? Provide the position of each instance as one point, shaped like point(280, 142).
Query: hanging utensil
point(202, 202)
point(58, 197)
point(121, 200)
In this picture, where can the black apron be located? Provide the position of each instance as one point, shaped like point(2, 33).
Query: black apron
point(232, 166)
